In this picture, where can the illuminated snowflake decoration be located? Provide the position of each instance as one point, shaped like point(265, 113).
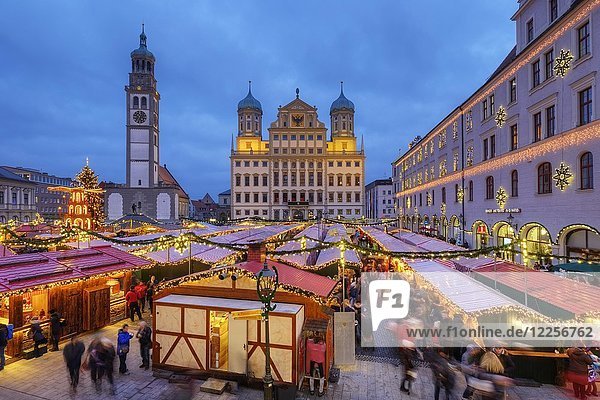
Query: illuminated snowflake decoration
point(501, 198)
point(455, 130)
point(443, 209)
point(562, 176)
point(181, 244)
point(460, 195)
point(500, 116)
point(163, 243)
point(562, 64)
point(429, 199)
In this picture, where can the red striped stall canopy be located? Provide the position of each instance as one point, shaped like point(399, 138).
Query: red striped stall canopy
point(37, 270)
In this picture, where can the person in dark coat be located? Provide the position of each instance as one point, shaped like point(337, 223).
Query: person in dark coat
point(72, 353)
point(3, 344)
point(101, 359)
point(144, 334)
point(577, 373)
point(151, 289)
point(37, 336)
point(55, 329)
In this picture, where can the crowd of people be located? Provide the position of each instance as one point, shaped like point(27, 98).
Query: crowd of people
point(101, 354)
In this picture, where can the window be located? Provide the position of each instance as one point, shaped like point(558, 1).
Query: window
point(340, 180)
point(443, 195)
point(255, 180)
point(357, 180)
point(586, 164)
point(585, 106)
point(485, 149)
point(549, 64)
point(492, 105)
point(144, 103)
point(470, 190)
point(456, 192)
point(583, 38)
point(545, 178)
point(265, 180)
point(550, 121)
point(513, 90)
point(489, 187)
point(136, 102)
point(492, 146)
point(537, 127)
point(330, 180)
point(514, 183)
point(246, 197)
point(530, 30)
point(485, 109)
point(275, 178)
point(420, 199)
point(255, 197)
point(514, 137)
point(535, 71)
point(246, 180)
point(264, 198)
point(553, 10)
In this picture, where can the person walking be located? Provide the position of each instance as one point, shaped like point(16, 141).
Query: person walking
point(132, 303)
point(144, 334)
point(100, 362)
point(577, 373)
point(123, 339)
point(140, 290)
point(3, 344)
point(55, 328)
point(72, 353)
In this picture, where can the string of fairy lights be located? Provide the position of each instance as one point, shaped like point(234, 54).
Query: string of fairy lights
point(182, 242)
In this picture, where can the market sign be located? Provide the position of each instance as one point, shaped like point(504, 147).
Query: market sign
point(502, 210)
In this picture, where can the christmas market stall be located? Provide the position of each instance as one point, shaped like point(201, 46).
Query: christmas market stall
point(210, 322)
point(85, 286)
point(332, 255)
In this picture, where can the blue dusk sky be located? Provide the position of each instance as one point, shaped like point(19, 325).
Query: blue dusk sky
point(64, 65)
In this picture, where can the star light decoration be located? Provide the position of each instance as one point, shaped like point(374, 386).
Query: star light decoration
point(443, 209)
point(562, 176)
point(429, 199)
point(562, 63)
point(181, 244)
point(500, 116)
point(460, 195)
point(501, 197)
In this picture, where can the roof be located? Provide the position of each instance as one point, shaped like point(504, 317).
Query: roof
point(37, 270)
point(317, 284)
point(467, 293)
point(142, 51)
point(225, 193)
point(5, 251)
point(11, 176)
point(217, 302)
point(379, 182)
point(249, 102)
point(387, 241)
point(341, 103)
point(253, 234)
point(577, 298)
point(166, 178)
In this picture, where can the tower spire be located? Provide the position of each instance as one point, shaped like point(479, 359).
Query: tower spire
point(143, 37)
point(250, 87)
point(342, 88)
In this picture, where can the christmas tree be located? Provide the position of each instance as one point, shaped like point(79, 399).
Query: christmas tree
point(88, 179)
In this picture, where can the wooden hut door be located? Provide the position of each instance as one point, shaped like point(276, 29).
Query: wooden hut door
point(96, 307)
point(238, 345)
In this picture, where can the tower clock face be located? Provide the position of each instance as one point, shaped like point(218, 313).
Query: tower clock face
point(139, 117)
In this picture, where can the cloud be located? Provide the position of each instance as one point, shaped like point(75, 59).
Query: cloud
point(65, 64)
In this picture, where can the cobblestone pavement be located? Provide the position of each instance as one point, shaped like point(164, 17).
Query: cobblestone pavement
point(46, 378)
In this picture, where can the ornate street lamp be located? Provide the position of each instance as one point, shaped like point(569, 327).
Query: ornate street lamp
point(267, 281)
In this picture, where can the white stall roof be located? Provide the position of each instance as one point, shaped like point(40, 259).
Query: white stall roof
point(465, 292)
point(219, 302)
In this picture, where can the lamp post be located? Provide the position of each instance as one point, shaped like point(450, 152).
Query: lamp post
point(267, 281)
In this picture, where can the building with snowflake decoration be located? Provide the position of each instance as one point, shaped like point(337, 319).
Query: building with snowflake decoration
point(297, 172)
point(521, 147)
